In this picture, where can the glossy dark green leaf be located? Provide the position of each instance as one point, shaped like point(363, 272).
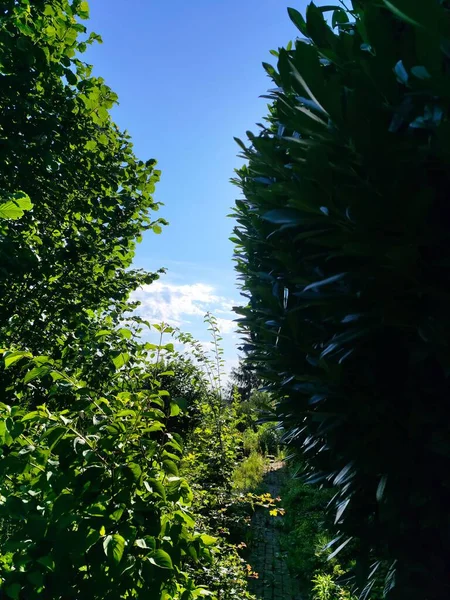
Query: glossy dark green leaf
point(298, 20)
point(161, 559)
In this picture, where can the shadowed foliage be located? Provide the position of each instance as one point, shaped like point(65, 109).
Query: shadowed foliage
point(343, 252)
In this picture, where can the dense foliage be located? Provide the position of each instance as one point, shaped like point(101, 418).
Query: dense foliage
point(342, 248)
point(91, 197)
point(91, 501)
point(94, 496)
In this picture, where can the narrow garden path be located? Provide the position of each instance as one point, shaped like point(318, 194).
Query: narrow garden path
point(266, 559)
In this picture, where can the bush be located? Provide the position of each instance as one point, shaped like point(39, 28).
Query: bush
point(343, 247)
point(326, 588)
point(250, 441)
point(305, 530)
point(91, 503)
point(269, 438)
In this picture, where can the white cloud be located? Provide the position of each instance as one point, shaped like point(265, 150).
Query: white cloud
point(208, 347)
point(172, 303)
point(226, 325)
point(184, 305)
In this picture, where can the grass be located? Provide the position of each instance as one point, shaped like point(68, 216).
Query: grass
point(249, 474)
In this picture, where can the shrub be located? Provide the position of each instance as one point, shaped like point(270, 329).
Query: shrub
point(305, 530)
point(342, 245)
point(250, 441)
point(269, 438)
point(326, 588)
point(91, 503)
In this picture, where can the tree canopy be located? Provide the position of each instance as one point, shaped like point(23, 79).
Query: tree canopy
point(89, 198)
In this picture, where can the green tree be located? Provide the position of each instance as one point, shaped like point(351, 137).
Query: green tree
point(342, 244)
point(91, 197)
point(244, 380)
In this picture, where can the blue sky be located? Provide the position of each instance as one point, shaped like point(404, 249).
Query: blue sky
point(189, 77)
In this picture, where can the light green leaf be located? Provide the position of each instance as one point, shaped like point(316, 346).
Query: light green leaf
point(121, 359)
point(15, 206)
point(125, 333)
point(35, 373)
point(83, 10)
point(114, 546)
point(208, 540)
point(12, 357)
point(174, 409)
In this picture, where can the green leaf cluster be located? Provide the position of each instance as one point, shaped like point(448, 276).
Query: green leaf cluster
point(91, 501)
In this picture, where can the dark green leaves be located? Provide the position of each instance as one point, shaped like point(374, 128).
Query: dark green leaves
point(429, 16)
point(298, 20)
point(283, 216)
point(341, 245)
point(161, 559)
point(13, 591)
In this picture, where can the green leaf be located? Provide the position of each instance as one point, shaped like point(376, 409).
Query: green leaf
point(135, 470)
point(161, 559)
point(283, 216)
point(15, 206)
point(208, 540)
point(298, 20)
point(114, 546)
point(83, 10)
point(170, 467)
point(11, 357)
point(317, 27)
point(239, 142)
point(174, 409)
point(124, 333)
point(54, 435)
point(185, 517)
point(427, 15)
point(121, 359)
point(157, 487)
point(323, 282)
point(47, 562)
point(35, 373)
point(13, 591)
